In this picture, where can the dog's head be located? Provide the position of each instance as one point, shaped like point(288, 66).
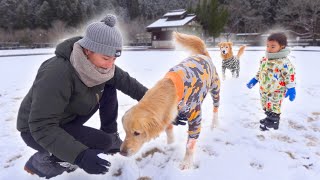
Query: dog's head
point(140, 127)
point(225, 49)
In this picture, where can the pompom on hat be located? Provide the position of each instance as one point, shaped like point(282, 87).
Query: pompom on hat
point(103, 37)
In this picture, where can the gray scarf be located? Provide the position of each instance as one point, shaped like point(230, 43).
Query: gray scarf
point(89, 74)
point(281, 54)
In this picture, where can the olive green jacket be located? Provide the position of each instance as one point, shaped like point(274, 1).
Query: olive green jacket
point(58, 95)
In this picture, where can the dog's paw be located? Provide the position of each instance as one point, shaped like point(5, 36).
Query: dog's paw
point(215, 122)
point(170, 140)
point(185, 165)
point(214, 126)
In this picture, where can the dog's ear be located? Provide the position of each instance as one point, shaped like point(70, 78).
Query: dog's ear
point(230, 44)
point(152, 127)
point(219, 44)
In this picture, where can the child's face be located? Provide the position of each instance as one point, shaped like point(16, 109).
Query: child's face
point(273, 47)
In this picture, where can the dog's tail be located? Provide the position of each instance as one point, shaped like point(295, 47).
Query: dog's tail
point(191, 42)
point(240, 52)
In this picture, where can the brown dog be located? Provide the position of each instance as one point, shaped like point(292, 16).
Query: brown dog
point(156, 111)
point(228, 60)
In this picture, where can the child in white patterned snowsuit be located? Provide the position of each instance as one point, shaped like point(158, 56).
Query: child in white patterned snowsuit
point(276, 77)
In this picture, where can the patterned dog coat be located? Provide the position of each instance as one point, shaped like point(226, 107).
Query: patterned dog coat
point(194, 77)
point(233, 64)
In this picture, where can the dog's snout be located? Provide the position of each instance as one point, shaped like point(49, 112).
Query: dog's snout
point(124, 153)
point(223, 51)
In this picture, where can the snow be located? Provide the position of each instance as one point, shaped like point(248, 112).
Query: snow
point(26, 51)
point(175, 13)
point(172, 23)
point(237, 149)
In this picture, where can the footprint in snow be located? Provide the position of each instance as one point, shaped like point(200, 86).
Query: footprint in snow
point(17, 98)
point(251, 125)
point(296, 126)
point(283, 138)
point(315, 116)
point(315, 128)
point(144, 178)
point(10, 162)
point(208, 150)
point(305, 161)
point(256, 165)
point(261, 137)
point(311, 140)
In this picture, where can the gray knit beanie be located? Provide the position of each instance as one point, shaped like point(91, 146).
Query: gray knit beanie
point(103, 37)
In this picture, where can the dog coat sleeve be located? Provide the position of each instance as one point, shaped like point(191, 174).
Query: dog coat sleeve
point(215, 91)
point(194, 121)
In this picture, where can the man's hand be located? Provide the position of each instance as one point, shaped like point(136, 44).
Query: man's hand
point(89, 161)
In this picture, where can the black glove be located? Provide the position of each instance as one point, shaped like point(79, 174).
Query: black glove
point(89, 161)
point(180, 120)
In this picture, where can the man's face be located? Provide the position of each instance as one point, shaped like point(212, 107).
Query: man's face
point(100, 60)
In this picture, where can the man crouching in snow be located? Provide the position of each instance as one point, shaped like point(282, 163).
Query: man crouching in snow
point(69, 88)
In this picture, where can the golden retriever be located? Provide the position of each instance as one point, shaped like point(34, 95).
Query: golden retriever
point(228, 60)
point(159, 107)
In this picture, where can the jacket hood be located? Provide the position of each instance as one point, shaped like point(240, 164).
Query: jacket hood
point(65, 48)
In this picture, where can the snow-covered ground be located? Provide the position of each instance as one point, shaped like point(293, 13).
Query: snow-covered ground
point(237, 149)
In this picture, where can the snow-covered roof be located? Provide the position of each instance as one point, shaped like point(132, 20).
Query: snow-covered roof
point(175, 13)
point(248, 34)
point(172, 23)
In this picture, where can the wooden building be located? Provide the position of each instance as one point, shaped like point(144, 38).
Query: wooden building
point(175, 20)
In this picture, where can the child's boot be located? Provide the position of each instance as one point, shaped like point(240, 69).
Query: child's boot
point(262, 121)
point(271, 121)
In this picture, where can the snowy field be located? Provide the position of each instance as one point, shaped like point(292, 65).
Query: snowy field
point(237, 149)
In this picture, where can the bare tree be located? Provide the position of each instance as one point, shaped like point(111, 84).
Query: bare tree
point(243, 17)
point(302, 16)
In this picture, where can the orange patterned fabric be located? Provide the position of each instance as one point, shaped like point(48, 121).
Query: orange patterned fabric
point(178, 83)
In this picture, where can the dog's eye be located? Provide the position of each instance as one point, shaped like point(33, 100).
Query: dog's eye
point(136, 133)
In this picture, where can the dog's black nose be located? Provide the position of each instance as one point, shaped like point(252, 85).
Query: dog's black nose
point(124, 153)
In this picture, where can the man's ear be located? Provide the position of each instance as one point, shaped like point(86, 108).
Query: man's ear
point(87, 51)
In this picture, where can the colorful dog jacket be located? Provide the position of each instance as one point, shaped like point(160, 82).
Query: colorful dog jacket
point(194, 77)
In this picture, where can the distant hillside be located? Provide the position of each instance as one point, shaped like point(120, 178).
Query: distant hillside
point(47, 20)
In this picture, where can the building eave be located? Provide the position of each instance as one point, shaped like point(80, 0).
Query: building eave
point(163, 23)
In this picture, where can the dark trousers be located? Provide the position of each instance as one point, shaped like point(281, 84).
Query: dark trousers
point(91, 137)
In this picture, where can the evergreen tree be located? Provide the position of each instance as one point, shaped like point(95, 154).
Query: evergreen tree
point(133, 8)
point(217, 18)
point(212, 17)
point(4, 14)
point(8, 13)
point(21, 21)
point(44, 15)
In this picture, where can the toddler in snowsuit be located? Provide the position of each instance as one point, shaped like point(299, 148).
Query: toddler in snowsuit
point(276, 77)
